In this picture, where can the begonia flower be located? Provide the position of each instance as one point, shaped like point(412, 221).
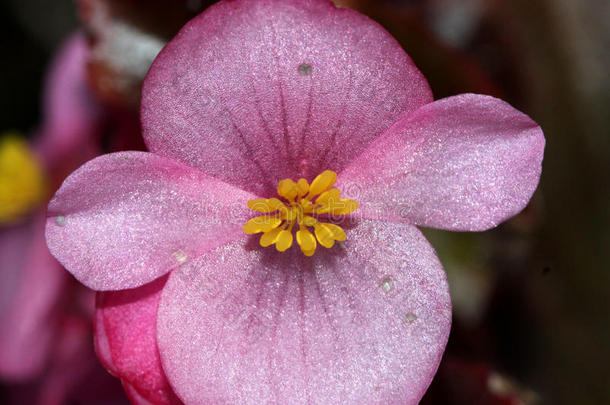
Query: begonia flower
point(298, 98)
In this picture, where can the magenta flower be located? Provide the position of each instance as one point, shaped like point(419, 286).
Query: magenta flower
point(248, 94)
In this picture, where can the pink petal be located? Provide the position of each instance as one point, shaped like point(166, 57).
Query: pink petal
point(100, 338)
point(130, 319)
point(364, 322)
point(253, 92)
point(134, 396)
point(31, 282)
point(463, 163)
point(72, 117)
point(125, 219)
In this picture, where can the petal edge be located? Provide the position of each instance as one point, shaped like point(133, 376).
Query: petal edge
point(464, 163)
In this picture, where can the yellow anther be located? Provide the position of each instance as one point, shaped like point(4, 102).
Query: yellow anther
point(269, 238)
point(327, 234)
point(309, 221)
point(299, 209)
point(323, 182)
point(302, 187)
point(22, 184)
point(292, 215)
point(263, 223)
point(306, 205)
point(266, 206)
point(306, 241)
point(345, 207)
point(287, 189)
point(284, 241)
point(330, 195)
point(340, 207)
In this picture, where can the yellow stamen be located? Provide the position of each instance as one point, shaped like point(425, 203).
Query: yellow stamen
point(263, 223)
point(265, 206)
point(284, 241)
point(270, 237)
point(306, 241)
point(309, 221)
point(302, 187)
point(287, 189)
point(327, 234)
point(322, 183)
point(340, 207)
point(332, 194)
point(300, 208)
point(22, 183)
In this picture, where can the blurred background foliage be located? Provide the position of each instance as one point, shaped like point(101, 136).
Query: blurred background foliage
point(531, 317)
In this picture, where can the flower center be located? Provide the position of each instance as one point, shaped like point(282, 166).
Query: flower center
point(304, 205)
point(22, 184)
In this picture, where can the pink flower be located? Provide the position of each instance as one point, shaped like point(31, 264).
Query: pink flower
point(32, 281)
point(250, 93)
point(45, 316)
point(72, 117)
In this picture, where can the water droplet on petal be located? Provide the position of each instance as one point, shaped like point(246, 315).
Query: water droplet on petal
point(180, 256)
point(386, 284)
point(305, 69)
point(60, 220)
point(410, 317)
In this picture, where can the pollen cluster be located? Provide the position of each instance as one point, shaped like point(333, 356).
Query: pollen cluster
point(303, 204)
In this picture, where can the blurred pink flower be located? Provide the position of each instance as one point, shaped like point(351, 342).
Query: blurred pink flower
point(45, 316)
point(247, 94)
point(72, 118)
point(32, 278)
point(31, 284)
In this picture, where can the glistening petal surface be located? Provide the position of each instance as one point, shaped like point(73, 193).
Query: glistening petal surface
point(463, 163)
point(124, 219)
point(129, 320)
point(365, 322)
point(253, 92)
